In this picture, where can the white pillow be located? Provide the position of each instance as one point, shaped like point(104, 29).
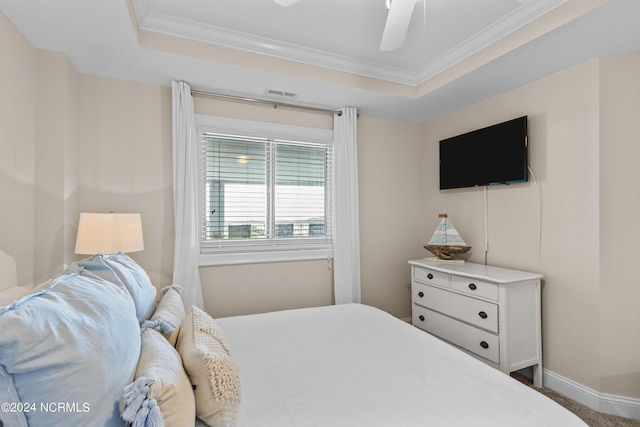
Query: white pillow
point(212, 371)
point(161, 385)
point(11, 295)
point(8, 271)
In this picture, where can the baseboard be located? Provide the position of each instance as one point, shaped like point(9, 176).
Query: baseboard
point(601, 402)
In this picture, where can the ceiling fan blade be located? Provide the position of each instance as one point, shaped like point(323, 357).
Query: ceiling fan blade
point(285, 3)
point(398, 19)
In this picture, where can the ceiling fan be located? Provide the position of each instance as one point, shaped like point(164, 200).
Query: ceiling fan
point(395, 29)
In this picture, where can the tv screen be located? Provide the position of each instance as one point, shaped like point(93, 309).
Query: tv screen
point(493, 155)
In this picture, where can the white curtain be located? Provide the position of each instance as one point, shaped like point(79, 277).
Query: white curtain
point(185, 196)
point(346, 250)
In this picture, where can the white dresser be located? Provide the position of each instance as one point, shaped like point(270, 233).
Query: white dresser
point(491, 313)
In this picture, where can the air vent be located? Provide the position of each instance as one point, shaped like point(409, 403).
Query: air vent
point(281, 93)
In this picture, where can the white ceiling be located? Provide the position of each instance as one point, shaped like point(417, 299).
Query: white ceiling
point(337, 40)
point(346, 35)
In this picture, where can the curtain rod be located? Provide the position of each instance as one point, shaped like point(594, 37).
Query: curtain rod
point(275, 104)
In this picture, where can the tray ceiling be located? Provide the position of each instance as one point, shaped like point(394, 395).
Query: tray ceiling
point(326, 53)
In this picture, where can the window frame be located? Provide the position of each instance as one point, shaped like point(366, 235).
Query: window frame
point(295, 250)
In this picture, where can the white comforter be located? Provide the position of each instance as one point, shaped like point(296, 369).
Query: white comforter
point(354, 365)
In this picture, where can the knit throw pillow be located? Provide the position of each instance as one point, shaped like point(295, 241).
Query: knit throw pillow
point(212, 372)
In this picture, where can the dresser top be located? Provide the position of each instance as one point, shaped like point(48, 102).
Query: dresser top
point(478, 271)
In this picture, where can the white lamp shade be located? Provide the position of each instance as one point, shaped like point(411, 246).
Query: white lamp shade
point(109, 233)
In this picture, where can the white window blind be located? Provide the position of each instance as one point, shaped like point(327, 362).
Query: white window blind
point(262, 194)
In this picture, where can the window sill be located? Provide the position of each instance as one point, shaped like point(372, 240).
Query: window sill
point(210, 260)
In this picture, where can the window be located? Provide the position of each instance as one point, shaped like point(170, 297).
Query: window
point(266, 192)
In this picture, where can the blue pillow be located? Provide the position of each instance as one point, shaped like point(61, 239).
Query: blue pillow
point(121, 269)
point(66, 352)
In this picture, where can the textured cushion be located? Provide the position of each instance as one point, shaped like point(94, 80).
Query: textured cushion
point(75, 343)
point(162, 390)
point(170, 309)
point(8, 271)
point(10, 295)
point(121, 269)
point(206, 359)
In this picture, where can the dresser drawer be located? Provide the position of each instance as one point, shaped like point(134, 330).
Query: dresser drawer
point(471, 310)
point(477, 341)
point(430, 276)
point(475, 287)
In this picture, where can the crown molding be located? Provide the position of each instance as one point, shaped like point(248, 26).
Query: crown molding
point(184, 28)
point(518, 18)
point(153, 21)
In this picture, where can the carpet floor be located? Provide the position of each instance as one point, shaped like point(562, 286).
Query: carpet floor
point(590, 416)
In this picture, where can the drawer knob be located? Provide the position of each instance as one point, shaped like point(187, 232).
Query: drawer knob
point(484, 344)
point(472, 286)
point(420, 294)
point(482, 314)
point(429, 276)
point(421, 317)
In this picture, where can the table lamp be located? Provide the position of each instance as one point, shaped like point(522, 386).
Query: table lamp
point(109, 233)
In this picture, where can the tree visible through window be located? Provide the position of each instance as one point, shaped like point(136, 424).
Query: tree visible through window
point(261, 194)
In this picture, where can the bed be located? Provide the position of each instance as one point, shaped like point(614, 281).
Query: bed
point(98, 346)
point(355, 365)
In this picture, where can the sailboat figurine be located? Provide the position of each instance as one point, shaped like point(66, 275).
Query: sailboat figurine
point(446, 242)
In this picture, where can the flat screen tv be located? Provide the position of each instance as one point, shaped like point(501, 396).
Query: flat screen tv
point(492, 155)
